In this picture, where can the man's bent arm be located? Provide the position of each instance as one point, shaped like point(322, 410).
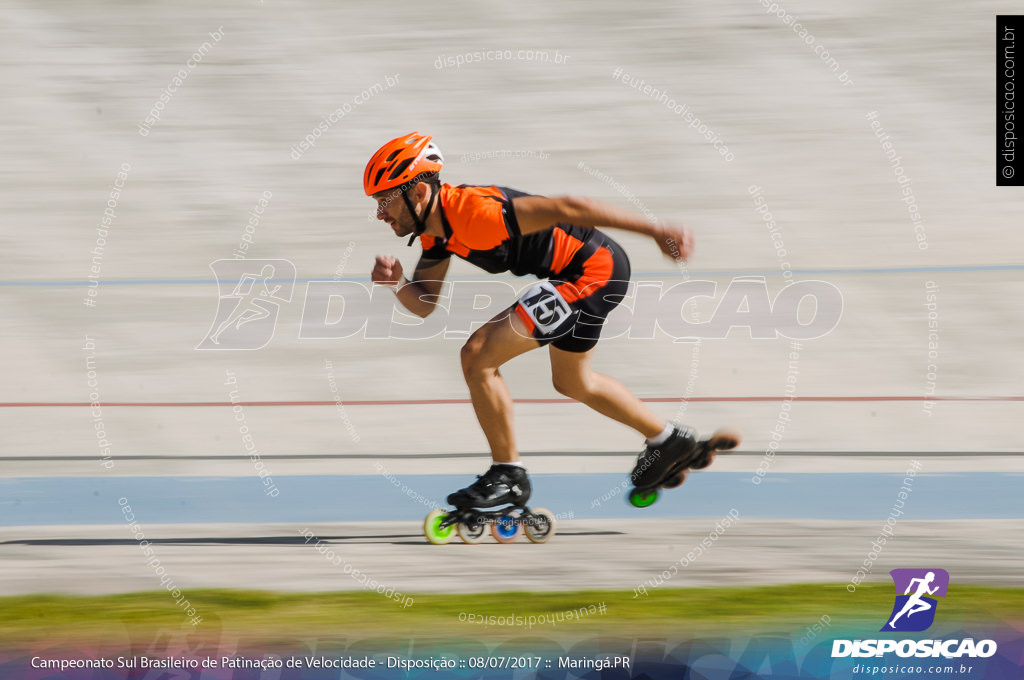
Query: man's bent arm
point(537, 213)
point(420, 295)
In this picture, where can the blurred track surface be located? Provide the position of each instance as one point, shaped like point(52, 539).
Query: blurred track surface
point(616, 554)
point(81, 79)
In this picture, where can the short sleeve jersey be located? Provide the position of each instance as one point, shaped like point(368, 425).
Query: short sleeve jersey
point(480, 227)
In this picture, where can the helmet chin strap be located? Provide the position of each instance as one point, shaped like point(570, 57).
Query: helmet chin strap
point(421, 222)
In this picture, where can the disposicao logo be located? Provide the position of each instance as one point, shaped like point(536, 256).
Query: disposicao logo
point(914, 611)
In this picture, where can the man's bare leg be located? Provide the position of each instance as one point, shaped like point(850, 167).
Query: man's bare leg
point(573, 377)
point(504, 337)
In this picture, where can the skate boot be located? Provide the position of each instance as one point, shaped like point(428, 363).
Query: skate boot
point(667, 466)
point(655, 464)
point(477, 510)
point(500, 485)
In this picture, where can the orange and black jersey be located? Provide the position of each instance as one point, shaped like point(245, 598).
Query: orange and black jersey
point(480, 227)
point(589, 272)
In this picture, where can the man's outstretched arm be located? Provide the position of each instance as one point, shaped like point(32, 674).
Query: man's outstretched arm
point(537, 213)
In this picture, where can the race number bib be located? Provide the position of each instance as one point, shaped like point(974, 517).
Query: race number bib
point(545, 306)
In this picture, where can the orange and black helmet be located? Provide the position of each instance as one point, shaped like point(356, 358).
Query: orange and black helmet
point(401, 160)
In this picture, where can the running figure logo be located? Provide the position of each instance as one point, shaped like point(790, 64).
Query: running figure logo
point(914, 610)
point(251, 293)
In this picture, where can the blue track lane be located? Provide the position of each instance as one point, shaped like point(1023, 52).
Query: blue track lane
point(160, 500)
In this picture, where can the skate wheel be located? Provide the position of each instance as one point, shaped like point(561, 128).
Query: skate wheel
point(722, 440)
point(432, 528)
point(542, 528)
point(725, 439)
point(642, 499)
point(471, 533)
point(675, 480)
point(506, 529)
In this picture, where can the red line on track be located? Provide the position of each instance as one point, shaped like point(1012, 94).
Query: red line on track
point(437, 402)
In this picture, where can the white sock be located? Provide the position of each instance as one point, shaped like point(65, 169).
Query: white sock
point(517, 463)
point(663, 437)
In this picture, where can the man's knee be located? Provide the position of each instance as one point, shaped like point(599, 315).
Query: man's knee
point(473, 355)
point(574, 387)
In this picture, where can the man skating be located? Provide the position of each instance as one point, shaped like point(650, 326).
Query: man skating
point(584, 275)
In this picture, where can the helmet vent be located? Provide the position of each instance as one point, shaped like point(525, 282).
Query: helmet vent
point(400, 168)
point(376, 180)
point(391, 156)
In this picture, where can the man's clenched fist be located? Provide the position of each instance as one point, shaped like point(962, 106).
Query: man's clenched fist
point(675, 240)
point(386, 270)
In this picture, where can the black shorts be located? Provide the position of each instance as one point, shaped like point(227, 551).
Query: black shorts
point(570, 313)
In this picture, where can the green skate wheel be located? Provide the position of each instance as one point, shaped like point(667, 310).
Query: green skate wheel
point(542, 528)
point(432, 528)
point(471, 533)
point(506, 529)
point(642, 499)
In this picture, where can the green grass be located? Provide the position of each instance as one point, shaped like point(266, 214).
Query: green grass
point(271, 616)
